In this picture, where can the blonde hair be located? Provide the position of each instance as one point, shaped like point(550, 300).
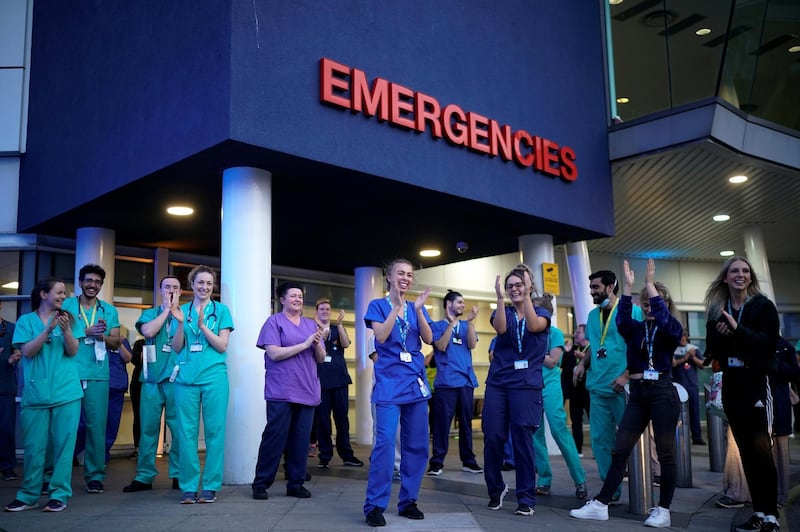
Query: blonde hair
point(718, 292)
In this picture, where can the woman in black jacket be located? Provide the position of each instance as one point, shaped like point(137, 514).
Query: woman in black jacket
point(741, 335)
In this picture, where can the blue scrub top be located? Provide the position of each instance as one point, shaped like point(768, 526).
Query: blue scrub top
point(205, 366)
point(398, 382)
point(88, 366)
point(502, 370)
point(160, 370)
point(50, 378)
point(454, 365)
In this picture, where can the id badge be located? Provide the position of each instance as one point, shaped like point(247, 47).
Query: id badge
point(405, 356)
point(166, 348)
point(89, 340)
point(734, 362)
point(150, 353)
point(423, 388)
point(457, 341)
point(328, 358)
point(520, 364)
point(196, 348)
point(100, 350)
point(650, 375)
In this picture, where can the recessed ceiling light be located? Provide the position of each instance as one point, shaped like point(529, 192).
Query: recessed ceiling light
point(738, 179)
point(721, 218)
point(12, 285)
point(615, 2)
point(430, 253)
point(180, 210)
point(702, 31)
point(623, 99)
point(794, 49)
point(493, 306)
point(726, 253)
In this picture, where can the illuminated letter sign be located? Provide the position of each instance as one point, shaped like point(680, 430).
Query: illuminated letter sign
point(348, 88)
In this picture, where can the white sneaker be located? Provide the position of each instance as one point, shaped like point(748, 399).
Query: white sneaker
point(659, 518)
point(591, 510)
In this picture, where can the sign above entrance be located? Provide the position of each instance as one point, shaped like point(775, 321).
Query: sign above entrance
point(348, 88)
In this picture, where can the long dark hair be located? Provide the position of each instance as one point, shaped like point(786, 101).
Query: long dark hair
point(42, 285)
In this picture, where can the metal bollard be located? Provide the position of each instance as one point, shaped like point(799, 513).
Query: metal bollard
point(717, 436)
point(683, 449)
point(640, 484)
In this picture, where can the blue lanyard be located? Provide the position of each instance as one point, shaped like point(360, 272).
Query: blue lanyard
point(519, 329)
point(650, 338)
point(741, 309)
point(402, 324)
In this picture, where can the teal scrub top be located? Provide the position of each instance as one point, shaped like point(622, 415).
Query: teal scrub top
point(160, 370)
point(207, 364)
point(603, 371)
point(89, 368)
point(50, 378)
point(552, 376)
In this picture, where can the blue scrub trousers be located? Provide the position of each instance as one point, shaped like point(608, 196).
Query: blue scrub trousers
point(92, 430)
point(553, 400)
point(213, 397)
point(446, 403)
point(604, 418)
point(288, 427)
point(49, 431)
point(413, 419)
point(518, 411)
point(116, 400)
point(156, 397)
point(333, 401)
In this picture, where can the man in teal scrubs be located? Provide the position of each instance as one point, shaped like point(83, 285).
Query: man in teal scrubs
point(159, 326)
point(606, 370)
point(100, 322)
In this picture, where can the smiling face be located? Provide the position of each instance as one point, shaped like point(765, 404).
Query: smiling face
point(400, 277)
point(55, 297)
point(293, 300)
point(324, 312)
point(203, 286)
point(738, 276)
point(91, 285)
point(456, 306)
point(515, 288)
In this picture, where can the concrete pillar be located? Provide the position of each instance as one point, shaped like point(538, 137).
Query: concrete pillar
point(246, 258)
point(96, 245)
point(579, 272)
point(756, 252)
point(370, 285)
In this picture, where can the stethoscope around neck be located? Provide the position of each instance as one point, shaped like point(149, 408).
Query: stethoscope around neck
point(208, 316)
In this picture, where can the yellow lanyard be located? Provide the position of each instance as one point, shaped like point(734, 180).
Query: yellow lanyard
point(604, 326)
point(83, 313)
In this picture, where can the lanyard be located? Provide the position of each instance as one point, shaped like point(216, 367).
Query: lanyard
point(649, 338)
point(83, 313)
point(197, 331)
point(455, 329)
point(519, 329)
point(402, 324)
point(604, 325)
point(741, 309)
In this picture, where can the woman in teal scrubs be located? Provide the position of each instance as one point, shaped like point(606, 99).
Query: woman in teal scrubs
point(51, 396)
point(202, 380)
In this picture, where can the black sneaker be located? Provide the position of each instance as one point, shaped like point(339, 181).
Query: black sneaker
point(299, 492)
point(323, 464)
point(10, 474)
point(657, 481)
point(375, 517)
point(94, 486)
point(754, 523)
point(434, 471)
point(45, 488)
point(412, 512)
point(137, 486)
point(727, 502)
point(495, 503)
point(260, 494)
point(54, 506)
point(18, 506)
point(353, 462)
point(524, 509)
point(769, 526)
point(471, 468)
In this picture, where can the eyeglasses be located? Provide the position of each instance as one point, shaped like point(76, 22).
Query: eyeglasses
point(518, 286)
point(98, 282)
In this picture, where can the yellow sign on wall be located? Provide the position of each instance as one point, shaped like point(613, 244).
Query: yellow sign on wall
point(550, 278)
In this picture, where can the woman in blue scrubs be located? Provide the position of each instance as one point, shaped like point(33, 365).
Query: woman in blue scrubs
point(51, 396)
point(400, 394)
point(513, 396)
